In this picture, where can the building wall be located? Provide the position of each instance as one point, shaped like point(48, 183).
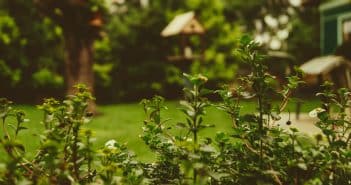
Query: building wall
point(331, 27)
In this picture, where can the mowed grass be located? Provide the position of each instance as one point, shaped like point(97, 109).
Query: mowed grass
point(123, 122)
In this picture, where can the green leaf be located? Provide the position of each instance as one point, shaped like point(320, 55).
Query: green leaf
point(181, 125)
point(245, 40)
point(11, 126)
point(302, 166)
point(294, 130)
point(205, 92)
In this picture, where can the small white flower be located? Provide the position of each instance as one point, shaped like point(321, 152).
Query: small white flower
point(111, 144)
point(314, 113)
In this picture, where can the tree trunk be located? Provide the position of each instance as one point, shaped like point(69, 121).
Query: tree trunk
point(79, 65)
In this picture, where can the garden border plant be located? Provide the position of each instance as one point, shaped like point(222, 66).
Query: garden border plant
point(254, 151)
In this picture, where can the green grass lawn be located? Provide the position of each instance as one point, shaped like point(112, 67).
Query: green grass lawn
point(123, 123)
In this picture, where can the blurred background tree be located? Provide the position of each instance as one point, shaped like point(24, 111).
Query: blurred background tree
point(30, 52)
point(81, 22)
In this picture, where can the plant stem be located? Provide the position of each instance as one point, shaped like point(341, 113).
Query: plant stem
point(195, 129)
point(89, 154)
point(260, 128)
point(284, 103)
point(296, 180)
point(67, 142)
point(195, 147)
point(75, 153)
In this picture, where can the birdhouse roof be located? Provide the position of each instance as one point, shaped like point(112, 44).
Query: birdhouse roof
point(322, 65)
point(333, 4)
point(183, 24)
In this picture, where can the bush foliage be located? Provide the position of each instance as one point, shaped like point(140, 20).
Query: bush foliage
point(255, 151)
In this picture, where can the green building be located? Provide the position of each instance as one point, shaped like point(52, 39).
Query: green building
point(335, 24)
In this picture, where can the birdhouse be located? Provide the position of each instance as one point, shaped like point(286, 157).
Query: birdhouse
point(328, 68)
point(335, 24)
point(96, 20)
point(185, 26)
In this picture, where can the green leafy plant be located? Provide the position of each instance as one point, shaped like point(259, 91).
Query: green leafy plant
point(255, 151)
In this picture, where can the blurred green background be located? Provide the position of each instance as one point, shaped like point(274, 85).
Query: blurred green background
point(130, 54)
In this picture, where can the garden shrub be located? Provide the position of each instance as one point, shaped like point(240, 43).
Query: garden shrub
point(254, 151)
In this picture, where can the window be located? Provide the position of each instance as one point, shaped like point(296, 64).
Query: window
point(346, 29)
